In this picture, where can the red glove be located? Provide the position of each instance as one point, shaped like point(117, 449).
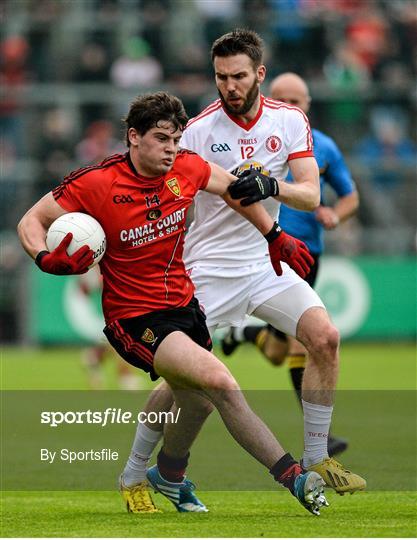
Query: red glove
point(58, 261)
point(286, 248)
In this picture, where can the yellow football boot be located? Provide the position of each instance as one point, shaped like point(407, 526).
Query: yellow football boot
point(337, 477)
point(138, 498)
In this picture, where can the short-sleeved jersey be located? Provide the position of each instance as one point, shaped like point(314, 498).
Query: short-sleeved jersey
point(333, 172)
point(144, 221)
point(218, 235)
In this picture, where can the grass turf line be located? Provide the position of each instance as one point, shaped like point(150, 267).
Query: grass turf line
point(232, 514)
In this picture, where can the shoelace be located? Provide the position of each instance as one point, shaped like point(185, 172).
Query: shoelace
point(141, 498)
point(338, 465)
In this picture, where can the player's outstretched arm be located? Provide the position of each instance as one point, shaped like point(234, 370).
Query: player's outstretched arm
point(282, 246)
point(302, 194)
point(256, 214)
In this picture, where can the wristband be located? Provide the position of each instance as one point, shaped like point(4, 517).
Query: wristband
point(273, 233)
point(40, 256)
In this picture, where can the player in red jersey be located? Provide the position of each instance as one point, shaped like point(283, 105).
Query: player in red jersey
point(152, 319)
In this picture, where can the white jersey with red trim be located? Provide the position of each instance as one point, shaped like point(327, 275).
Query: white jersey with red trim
point(219, 236)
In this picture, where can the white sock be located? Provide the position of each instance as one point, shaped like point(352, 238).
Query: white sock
point(144, 444)
point(317, 420)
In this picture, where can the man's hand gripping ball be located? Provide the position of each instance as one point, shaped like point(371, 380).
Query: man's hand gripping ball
point(58, 261)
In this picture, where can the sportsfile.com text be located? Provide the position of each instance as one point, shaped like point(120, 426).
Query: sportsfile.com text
point(107, 417)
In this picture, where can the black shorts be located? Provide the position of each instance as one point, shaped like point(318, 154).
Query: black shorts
point(312, 275)
point(136, 339)
point(311, 280)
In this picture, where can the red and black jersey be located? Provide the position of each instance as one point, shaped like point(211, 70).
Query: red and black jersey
point(144, 221)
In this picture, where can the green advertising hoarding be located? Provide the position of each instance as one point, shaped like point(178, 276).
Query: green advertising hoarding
point(371, 298)
point(367, 297)
point(61, 312)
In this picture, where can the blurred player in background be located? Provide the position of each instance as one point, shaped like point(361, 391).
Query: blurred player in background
point(94, 356)
point(308, 227)
point(243, 131)
point(152, 318)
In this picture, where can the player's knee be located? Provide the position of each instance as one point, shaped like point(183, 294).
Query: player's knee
point(222, 381)
point(327, 341)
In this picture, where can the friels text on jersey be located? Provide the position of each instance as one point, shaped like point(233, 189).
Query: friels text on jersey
point(148, 232)
point(220, 147)
point(247, 141)
point(123, 199)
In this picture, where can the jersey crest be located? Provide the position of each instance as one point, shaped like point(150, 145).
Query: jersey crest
point(273, 143)
point(148, 336)
point(174, 186)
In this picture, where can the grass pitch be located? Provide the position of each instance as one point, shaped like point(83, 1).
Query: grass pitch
point(232, 514)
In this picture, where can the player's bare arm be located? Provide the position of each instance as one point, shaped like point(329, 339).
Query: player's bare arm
point(32, 230)
point(34, 224)
point(256, 214)
point(282, 247)
point(346, 206)
point(302, 194)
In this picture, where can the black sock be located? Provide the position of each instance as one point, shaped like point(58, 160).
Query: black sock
point(286, 470)
point(250, 333)
point(296, 363)
point(172, 469)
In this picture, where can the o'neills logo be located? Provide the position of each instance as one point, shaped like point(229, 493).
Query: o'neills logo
point(148, 336)
point(273, 143)
point(174, 186)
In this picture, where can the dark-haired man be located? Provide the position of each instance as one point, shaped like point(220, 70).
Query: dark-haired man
point(309, 227)
point(245, 132)
point(152, 318)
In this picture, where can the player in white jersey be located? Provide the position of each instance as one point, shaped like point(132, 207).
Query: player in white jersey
point(218, 258)
point(227, 258)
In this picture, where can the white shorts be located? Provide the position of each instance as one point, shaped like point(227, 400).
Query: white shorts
point(227, 298)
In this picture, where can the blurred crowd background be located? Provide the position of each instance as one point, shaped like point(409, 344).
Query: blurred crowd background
point(69, 69)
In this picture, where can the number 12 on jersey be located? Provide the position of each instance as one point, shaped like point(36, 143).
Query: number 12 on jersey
point(247, 151)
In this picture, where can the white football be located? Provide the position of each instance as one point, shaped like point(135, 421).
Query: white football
point(86, 231)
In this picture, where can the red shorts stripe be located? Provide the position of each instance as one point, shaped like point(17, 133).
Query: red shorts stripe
point(132, 346)
point(129, 345)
